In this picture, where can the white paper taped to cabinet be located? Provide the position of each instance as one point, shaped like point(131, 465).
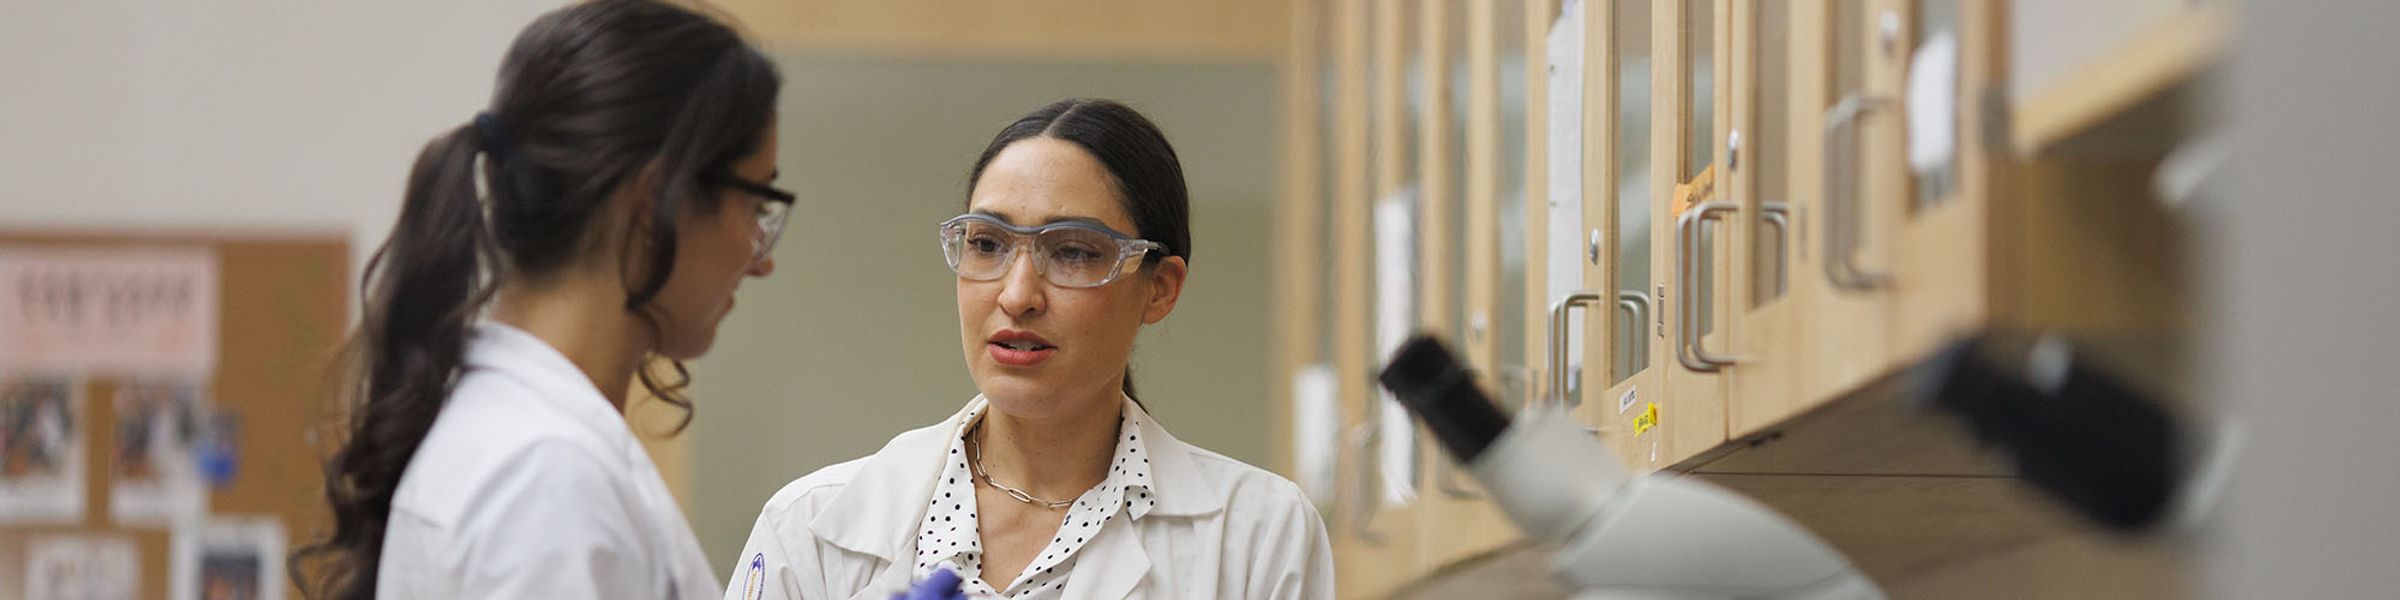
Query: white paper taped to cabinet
point(1933, 103)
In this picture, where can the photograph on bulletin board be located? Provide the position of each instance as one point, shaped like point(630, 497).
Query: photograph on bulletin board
point(155, 472)
point(83, 567)
point(229, 559)
point(41, 449)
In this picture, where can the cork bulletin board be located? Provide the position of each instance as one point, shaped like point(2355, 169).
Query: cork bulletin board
point(224, 373)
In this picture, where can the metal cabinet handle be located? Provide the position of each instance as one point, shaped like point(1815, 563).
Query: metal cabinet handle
point(1559, 342)
point(1690, 350)
point(1843, 216)
point(1779, 215)
point(1637, 305)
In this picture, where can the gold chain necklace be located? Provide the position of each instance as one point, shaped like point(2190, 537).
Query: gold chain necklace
point(975, 456)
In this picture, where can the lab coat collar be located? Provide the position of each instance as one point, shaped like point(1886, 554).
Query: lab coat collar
point(878, 510)
point(1121, 548)
point(515, 353)
point(1182, 491)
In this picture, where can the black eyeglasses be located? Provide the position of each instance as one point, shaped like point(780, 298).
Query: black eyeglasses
point(774, 209)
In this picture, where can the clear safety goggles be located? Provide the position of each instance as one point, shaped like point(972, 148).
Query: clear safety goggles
point(1071, 254)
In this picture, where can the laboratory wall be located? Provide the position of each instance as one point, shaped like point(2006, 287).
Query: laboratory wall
point(269, 115)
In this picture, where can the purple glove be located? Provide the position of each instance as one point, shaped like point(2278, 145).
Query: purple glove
point(941, 585)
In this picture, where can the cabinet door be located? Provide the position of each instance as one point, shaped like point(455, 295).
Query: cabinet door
point(1301, 289)
point(1368, 537)
point(1460, 117)
point(1688, 231)
point(1634, 337)
point(1613, 314)
point(1762, 155)
point(1845, 280)
point(1945, 243)
point(1399, 471)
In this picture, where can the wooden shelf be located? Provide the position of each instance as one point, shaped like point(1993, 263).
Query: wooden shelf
point(2165, 58)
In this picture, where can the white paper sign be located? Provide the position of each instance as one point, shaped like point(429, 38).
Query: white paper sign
point(229, 558)
point(1933, 104)
point(1316, 430)
point(82, 568)
point(1566, 253)
point(1395, 319)
point(147, 311)
point(42, 457)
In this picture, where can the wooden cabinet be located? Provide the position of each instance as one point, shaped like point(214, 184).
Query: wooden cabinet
point(1943, 275)
point(1690, 416)
point(1631, 341)
point(1358, 525)
point(1458, 158)
point(1617, 201)
point(1381, 512)
point(1767, 163)
point(1816, 99)
point(1923, 224)
point(1784, 204)
point(1843, 283)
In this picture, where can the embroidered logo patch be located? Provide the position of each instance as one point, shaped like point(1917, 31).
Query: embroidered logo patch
point(754, 585)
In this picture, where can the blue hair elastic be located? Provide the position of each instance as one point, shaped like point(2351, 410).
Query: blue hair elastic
point(494, 137)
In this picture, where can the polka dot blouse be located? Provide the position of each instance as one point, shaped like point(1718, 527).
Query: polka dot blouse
point(948, 537)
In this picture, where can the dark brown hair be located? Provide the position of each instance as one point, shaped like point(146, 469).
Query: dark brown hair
point(1148, 176)
point(588, 97)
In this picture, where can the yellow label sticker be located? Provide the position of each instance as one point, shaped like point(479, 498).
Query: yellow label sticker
point(1648, 419)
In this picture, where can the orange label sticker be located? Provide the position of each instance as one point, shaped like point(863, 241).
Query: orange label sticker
point(1694, 192)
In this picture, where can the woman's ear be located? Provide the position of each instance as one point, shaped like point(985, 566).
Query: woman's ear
point(633, 208)
point(1166, 287)
point(639, 195)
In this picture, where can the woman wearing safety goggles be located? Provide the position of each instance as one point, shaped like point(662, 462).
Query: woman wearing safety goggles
point(1053, 482)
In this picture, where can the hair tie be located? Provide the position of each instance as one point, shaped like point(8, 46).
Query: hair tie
point(494, 136)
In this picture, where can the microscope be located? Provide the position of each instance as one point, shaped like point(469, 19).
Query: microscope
point(1617, 536)
point(2110, 451)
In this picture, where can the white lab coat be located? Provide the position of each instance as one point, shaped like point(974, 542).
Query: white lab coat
point(530, 485)
point(1220, 529)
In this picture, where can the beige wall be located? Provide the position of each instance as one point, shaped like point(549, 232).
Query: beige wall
point(855, 338)
point(1221, 31)
point(264, 115)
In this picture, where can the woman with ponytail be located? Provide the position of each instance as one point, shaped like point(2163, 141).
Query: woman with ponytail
point(595, 218)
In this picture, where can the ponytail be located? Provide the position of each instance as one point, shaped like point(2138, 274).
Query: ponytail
point(588, 97)
point(421, 294)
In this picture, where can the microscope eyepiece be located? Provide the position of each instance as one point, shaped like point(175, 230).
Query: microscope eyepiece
point(1431, 383)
